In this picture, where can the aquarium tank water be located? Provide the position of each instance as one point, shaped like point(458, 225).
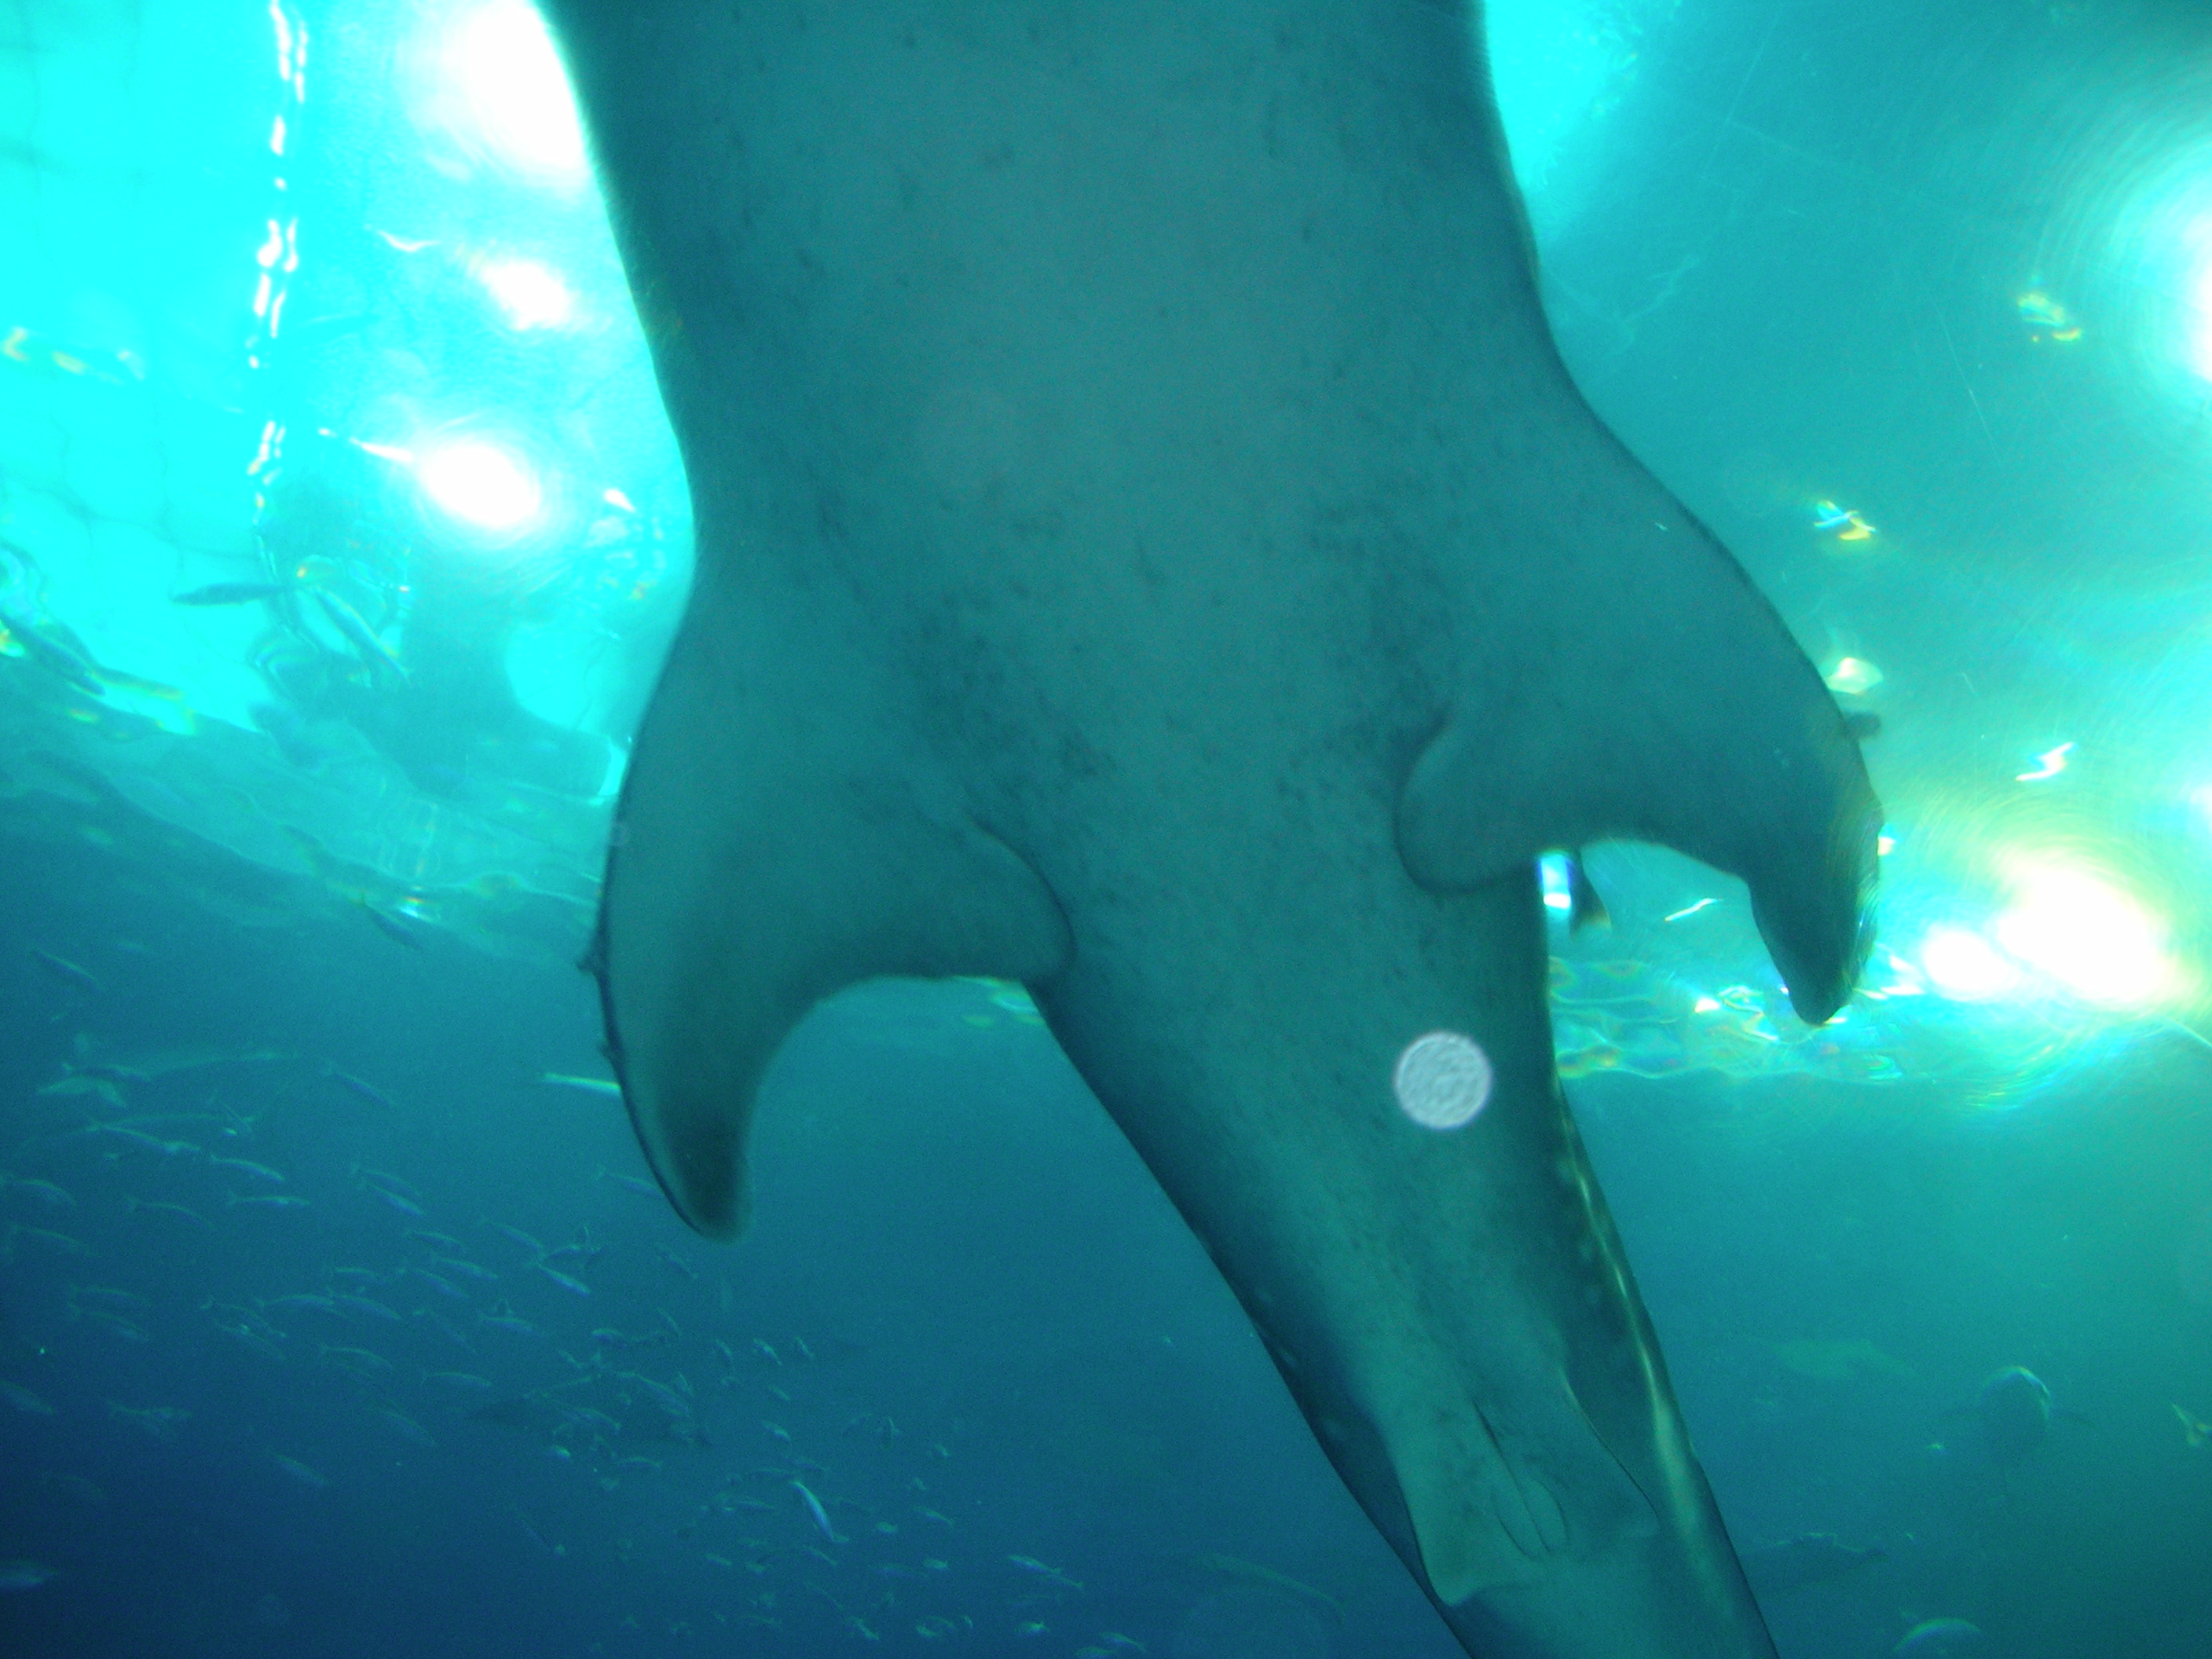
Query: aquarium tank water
point(342, 537)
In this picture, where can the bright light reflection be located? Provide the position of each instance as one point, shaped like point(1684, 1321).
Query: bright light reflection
point(1441, 1080)
point(509, 89)
point(1552, 873)
point(1962, 966)
point(2087, 934)
point(528, 294)
point(481, 484)
point(2199, 323)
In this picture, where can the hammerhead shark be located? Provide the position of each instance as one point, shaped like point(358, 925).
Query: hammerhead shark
point(1150, 548)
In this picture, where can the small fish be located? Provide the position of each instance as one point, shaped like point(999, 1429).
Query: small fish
point(861, 1628)
point(677, 1262)
point(156, 1207)
point(2194, 1430)
point(122, 1132)
point(252, 1339)
point(260, 1172)
point(54, 1197)
point(398, 1201)
point(159, 1421)
point(16, 1576)
point(1051, 1574)
point(467, 1382)
point(776, 1431)
point(591, 1086)
point(516, 1235)
point(358, 634)
point(659, 1392)
point(63, 663)
point(1034, 1627)
point(408, 1427)
point(507, 1320)
point(762, 1348)
point(539, 1538)
point(302, 1300)
point(356, 1359)
point(574, 1286)
point(398, 931)
point(116, 1326)
point(368, 1305)
point(300, 1472)
point(23, 1399)
point(61, 967)
point(814, 1509)
point(107, 1296)
point(931, 1515)
point(368, 1092)
point(265, 1201)
point(436, 1241)
point(227, 593)
point(1939, 1638)
point(51, 1240)
point(445, 1287)
point(85, 1083)
point(637, 1184)
point(465, 1269)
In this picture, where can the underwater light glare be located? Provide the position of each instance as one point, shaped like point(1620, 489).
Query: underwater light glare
point(2086, 933)
point(1964, 967)
point(510, 90)
point(481, 484)
point(528, 294)
point(1441, 1080)
point(2199, 325)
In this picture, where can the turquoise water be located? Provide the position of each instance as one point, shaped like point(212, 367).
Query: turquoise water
point(340, 537)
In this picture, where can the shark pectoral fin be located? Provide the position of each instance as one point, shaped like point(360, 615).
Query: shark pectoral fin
point(1686, 716)
point(765, 857)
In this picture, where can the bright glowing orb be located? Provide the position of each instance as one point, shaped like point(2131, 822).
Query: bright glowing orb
point(1441, 1080)
point(528, 294)
point(2086, 933)
point(1964, 967)
point(509, 93)
point(481, 484)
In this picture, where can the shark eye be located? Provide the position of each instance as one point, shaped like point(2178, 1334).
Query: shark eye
point(1441, 1079)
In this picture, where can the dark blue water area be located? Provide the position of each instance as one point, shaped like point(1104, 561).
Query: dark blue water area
point(965, 1319)
point(967, 1322)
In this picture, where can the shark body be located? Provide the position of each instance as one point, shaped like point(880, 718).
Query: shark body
point(1149, 548)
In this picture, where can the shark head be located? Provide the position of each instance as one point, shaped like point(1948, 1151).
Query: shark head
point(1150, 549)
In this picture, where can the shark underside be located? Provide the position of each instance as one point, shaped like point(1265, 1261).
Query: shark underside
point(1149, 548)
